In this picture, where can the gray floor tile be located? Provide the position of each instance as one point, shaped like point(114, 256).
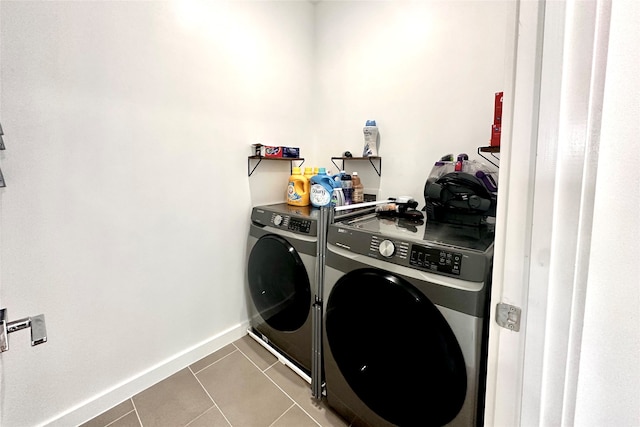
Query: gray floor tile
point(254, 351)
point(212, 358)
point(129, 420)
point(300, 391)
point(244, 395)
point(212, 418)
point(174, 401)
point(110, 415)
point(295, 417)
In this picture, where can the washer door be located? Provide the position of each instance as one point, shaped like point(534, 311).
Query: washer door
point(395, 349)
point(279, 283)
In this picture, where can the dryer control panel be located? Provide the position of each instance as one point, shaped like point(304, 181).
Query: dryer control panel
point(430, 257)
point(433, 259)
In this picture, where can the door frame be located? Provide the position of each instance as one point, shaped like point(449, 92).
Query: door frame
point(521, 103)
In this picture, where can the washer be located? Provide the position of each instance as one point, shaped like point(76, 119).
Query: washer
point(406, 321)
point(281, 278)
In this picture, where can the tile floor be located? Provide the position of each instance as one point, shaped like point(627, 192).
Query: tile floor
point(240, 385)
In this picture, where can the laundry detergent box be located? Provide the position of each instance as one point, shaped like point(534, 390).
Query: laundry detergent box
point(291, 152)
point(270, 151)
point(279, 152)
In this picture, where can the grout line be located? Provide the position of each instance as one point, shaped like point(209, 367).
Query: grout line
point(280, 388)
point(254, 363)
point(205, 412)
point(295, 403)
point(274, 383)
point(137, 414)
point(287, 410)
point(287, 394)
point(215, 405)
point(211, 364)
point(120, 417)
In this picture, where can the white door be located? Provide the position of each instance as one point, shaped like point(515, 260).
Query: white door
point(567, 238)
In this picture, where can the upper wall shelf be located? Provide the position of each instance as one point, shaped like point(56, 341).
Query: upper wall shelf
point(261, 158)
point(492, 150)
point(370, 158)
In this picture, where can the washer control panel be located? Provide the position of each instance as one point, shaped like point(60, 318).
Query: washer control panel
point(297, 225)
point(436, 260)
point(298, 220)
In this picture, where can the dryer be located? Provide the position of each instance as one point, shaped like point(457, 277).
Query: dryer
point(281, 278)
point(406, 321)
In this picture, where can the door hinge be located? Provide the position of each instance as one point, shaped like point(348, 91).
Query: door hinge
point(508, 316)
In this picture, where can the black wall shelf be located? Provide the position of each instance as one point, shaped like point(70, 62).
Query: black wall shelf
point(370, 158)
point(261, 158)
point(492, 150)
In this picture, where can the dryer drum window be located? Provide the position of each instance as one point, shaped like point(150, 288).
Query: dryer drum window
point(395, 349)
point(279, 283)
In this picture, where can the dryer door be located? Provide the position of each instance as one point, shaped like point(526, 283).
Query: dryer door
point(395, 349)
point(279, 283)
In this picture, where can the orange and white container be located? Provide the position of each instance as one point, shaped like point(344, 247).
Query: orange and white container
point(298, 189)
point(308, 172)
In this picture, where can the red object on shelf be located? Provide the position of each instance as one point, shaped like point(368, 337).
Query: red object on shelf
point(495, 136)
point(496, 128)
point(273, 152)
point(497, 109)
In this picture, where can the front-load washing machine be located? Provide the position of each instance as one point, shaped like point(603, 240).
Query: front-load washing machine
point(281, 278)
point(406, 321)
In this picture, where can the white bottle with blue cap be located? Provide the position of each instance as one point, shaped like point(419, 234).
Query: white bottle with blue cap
point(322, 186)
point(370, 139)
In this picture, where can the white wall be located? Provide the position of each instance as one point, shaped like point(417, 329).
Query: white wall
point(426, 71)
point(127, 127)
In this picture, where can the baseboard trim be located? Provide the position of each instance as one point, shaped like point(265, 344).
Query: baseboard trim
point(108, 399)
